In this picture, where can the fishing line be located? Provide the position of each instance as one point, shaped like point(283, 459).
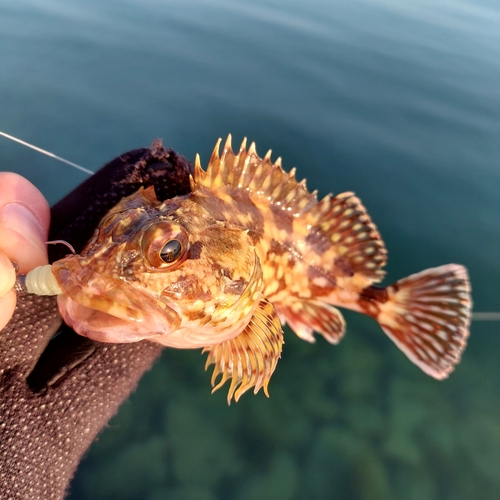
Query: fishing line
point(47, 153)
point(486, 316)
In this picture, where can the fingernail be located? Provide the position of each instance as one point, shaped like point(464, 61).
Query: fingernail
point(20, 219)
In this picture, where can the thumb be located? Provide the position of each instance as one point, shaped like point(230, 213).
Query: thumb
point(24, 223)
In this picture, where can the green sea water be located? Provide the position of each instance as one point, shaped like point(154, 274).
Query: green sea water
point(397, 101)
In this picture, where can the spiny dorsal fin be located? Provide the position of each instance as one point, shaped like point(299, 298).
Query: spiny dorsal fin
point(250, 358)
point(343, 221)
point(248, 171)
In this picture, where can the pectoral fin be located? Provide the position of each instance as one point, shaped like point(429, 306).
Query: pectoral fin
point(250, 358)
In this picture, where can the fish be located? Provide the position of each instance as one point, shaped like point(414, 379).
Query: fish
point(247, 251)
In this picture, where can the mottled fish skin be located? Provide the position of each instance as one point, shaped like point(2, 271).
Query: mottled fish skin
point(210, 292)
point(253, 249)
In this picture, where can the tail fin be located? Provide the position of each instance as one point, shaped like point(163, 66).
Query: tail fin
point(427, 315)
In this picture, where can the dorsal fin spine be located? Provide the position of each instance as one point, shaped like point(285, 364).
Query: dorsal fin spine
point(247, 171)
point(199, 175)
point(239, 165)
point(214, 166)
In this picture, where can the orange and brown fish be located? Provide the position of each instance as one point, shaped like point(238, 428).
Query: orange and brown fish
point(250, 249)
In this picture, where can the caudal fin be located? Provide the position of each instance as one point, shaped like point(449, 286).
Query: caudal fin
point(427, 315)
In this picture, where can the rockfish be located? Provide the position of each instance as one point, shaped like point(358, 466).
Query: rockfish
point(248, 250)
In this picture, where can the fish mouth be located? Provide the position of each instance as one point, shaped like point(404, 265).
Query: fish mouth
point(108, 311)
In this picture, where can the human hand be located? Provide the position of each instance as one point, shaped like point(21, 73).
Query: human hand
point(24, 225)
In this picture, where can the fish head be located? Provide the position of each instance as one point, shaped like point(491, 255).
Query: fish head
point(160, 272)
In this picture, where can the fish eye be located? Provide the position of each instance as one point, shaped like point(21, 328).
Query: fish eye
point(171, 251)
point(164, 245)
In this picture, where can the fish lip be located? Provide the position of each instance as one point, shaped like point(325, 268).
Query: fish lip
point(113, 313)
point(101, 326)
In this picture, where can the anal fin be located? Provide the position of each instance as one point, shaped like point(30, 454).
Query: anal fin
point(306, 316)
point(250, 358)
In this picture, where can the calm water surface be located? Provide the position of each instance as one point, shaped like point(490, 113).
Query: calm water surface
point(397, 101)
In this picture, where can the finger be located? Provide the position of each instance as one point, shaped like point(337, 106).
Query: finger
point(7, 306)
point(7, 274)
point(7, 296)
point(24, 222)
point(27, 251)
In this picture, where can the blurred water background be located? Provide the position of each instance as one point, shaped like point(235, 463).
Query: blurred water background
point(397, 101)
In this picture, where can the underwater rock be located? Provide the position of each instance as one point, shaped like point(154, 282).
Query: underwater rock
point(343, 463)
point(278, 483)
point(134, 473)
point(480, 439)
point(183, 493)
point(200, 454)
